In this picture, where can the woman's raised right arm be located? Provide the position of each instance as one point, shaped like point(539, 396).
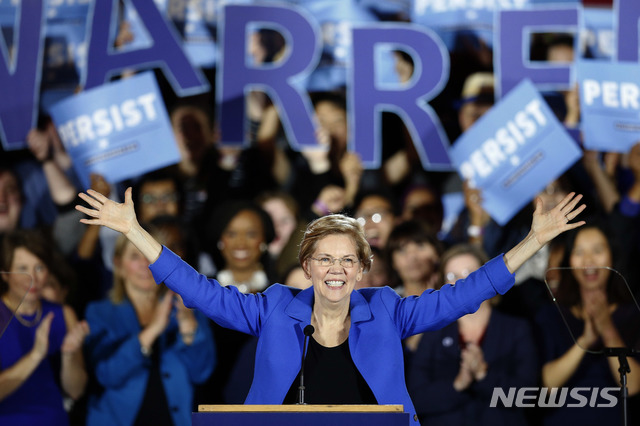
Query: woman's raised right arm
point(120, 217)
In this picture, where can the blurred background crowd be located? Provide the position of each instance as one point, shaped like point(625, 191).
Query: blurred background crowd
point(96, 341)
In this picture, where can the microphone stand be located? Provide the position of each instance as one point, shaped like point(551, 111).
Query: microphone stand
point(622, 354)
point(308, 331)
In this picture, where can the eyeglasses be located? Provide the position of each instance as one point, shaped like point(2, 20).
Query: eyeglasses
point(165, 198)
point(345, 262)
point(372, 217)
point(452, 277)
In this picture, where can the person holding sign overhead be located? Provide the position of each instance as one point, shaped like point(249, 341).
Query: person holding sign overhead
point(347, 325)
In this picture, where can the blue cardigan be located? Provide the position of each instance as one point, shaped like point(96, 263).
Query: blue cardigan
point(114, 356)
point(380, 319)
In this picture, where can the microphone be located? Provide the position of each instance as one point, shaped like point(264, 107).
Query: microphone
point(308, 331)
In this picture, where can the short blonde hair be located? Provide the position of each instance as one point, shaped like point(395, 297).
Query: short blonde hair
point(335, 224)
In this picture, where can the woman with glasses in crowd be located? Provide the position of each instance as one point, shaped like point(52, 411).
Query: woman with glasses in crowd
point(41, 360)
point(454, 370)
point(348, 325)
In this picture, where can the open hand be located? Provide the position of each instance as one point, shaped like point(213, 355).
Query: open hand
point(120, 217)
point(548, 225)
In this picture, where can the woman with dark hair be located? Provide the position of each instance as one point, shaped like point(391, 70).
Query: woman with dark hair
point(238, 234)
point(238, 237)
point(41, 358)
point(284, 212)
point(423, 202)
point(599, 316)
point(454, 370)
point(413, 253)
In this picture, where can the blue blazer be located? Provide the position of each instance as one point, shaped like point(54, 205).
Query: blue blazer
point(114, 356)
point(380, 319)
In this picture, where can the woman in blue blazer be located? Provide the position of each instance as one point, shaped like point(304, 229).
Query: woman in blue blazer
point(355, 353)
point(146, 349)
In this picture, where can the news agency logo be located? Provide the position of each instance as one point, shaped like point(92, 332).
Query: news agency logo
point(543, 397)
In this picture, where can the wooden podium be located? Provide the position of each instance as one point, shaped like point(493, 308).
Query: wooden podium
point(295, 415)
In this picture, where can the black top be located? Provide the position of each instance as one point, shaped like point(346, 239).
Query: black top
point(155, 408)
point(331, 377)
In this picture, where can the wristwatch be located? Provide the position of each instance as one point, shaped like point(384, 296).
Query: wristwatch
point(146, 351)
point(475, 231)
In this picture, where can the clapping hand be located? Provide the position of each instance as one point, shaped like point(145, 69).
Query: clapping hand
point(162, 312)
point(473, 360)
point(41, 342)
point(75, 337)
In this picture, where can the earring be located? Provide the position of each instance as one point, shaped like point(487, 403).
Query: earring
point(220, 245)
point(263, 247)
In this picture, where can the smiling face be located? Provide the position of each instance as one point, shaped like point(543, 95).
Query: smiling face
point(335, 283)
point(590, 255)
point(26, 267)
point(133, 267)
point(415, 261)
point(376, 215)
point(241, 240)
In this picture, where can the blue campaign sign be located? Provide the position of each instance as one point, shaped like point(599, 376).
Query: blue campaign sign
point(120, 129)
point(609, 104)
point(514, 151)
point(511, 57)
point(336, 19)
point(368, 97)
point(556, 1)
point(65, 59)
point(283, 81)
point(20, 71)
point(387, 7)
point(627, 13)
point(597, 39)
point(453, 205)
point(449, 18)
point(163, 50)
point(195, 21)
